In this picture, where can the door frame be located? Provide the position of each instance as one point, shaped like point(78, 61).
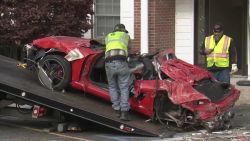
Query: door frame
point(202, 30)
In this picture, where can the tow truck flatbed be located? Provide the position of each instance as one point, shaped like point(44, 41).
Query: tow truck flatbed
point(25, 85)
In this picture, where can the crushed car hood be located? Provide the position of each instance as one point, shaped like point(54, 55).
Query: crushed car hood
point(179, 70)
point(64, 43)
point(183, 80)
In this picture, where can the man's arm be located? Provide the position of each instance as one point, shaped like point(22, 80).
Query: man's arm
point(204, 50)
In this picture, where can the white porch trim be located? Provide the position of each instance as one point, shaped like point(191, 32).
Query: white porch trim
point(144, 26)
point(127, 15)
point(184, 30)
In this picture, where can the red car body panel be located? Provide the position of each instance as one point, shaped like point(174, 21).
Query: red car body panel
point(179, 89)
point(62, 43)
point(185, 75)
point(66, 44)
point(211, 110)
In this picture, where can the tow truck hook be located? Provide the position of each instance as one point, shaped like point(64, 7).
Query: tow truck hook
point(22, 65)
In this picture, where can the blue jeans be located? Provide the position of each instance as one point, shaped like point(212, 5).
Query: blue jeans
point(222, 75)
point(118, 78)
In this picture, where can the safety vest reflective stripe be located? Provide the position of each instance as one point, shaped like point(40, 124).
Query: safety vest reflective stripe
point(208, 42)
point(225, 45)
point(218, 55)
point(224, 51)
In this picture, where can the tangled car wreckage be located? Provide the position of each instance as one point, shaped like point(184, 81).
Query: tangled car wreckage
point(163, 87)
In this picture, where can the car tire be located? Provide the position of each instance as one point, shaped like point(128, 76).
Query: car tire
point(58, 69)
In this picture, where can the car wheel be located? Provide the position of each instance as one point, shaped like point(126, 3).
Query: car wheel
point(54, 72)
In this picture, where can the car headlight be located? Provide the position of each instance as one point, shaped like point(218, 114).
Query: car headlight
point(74, 55)
point(28, 48)
point(29, 52)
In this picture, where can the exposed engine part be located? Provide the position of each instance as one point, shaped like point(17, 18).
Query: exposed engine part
point(178, 122)
point(221, 122)
point(157, 67)
point(166, 111)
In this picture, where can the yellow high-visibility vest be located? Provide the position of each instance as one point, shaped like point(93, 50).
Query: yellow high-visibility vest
point(117, 40)
point(220, 55)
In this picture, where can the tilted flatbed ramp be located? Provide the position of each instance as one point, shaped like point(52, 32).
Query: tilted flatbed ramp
point(24, 84)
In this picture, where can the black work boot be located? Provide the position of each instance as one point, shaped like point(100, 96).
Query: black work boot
point(124, 116)
point(117, 113)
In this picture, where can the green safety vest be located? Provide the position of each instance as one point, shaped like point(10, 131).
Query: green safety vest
point(220, 55)
point(117, 40)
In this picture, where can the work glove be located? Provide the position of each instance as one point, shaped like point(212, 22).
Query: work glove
point(234, 69)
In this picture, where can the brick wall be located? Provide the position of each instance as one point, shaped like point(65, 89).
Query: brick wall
point(161, 25)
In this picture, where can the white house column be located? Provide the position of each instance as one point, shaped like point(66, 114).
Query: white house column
point(127, 15)
point(184, 30)
point(144, 26)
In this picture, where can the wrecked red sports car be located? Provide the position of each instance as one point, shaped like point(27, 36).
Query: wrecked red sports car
point(163, 87)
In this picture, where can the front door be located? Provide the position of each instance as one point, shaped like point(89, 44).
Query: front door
point(233, 14)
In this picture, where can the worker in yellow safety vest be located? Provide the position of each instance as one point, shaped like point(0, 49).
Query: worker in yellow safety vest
point(220, 53)
point(116, 66)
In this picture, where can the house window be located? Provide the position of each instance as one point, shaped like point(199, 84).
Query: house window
point(107, 15)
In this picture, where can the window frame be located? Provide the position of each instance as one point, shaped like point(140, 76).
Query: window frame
point(110, 18)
